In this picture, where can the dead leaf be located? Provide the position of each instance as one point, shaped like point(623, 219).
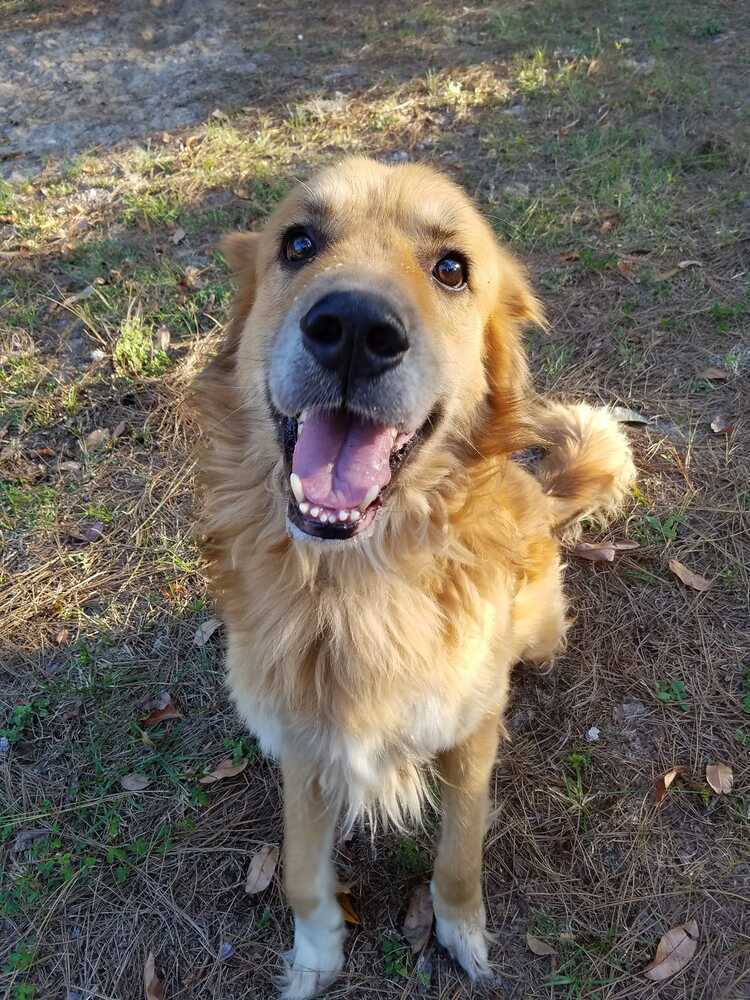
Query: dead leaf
point(25, 839)
point(538, 946)
point(419, 917)
point(178, 235)
point(689, 263)
point(69, 467)
point(720, 777)
point(601, 551)
point(688, 577)
point(715, 374)
point(262, 866)
point(673, 952)
point(624, 415)
point(135, 782)
point(62, 636)
point(153, 986)
point(225, 769)
point(666, 275)
point(569, 257)
point(205, 630)
point(79, 296)
point(720, 424)
point(626, 266)
point(347, 908)
point(119, 429)
point(192, 278)
point(219, 114)
point(86, 532)
point(163, 337)
point(163, 709)
point(96, 439)
point(662, 783)
point(609, 221)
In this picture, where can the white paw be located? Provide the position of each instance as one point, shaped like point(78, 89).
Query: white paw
point(464, 940)
point(315, 961)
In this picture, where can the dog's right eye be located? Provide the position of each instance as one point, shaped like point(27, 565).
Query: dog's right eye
point(298, 246)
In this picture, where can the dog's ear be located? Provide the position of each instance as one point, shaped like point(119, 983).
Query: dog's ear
point(239, 249)
point(504, 428)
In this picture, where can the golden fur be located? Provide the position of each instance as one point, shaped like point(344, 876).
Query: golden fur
point(367, 666)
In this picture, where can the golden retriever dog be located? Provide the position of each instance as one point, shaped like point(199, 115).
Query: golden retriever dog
point(380, 559)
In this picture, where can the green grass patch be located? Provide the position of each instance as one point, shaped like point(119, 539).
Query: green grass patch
point(135, 354)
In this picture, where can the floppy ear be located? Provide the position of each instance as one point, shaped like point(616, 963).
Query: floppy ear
point(509, 393)
point(215, 387)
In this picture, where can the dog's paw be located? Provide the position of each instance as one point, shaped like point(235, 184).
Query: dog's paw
point(464, 938)
point(315, 961)
point(466, 943)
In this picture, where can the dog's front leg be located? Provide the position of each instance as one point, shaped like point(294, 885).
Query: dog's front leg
point(457, 880)
point(310, 882)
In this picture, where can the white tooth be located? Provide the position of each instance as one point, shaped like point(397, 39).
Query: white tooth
point(297, 488)
point(343, 515)
point(324, 518)
point(371, 494)
point(314, 511)
point(355, 515)
point(304, 507)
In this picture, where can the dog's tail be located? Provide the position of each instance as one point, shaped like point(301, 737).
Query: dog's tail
point(588, 467)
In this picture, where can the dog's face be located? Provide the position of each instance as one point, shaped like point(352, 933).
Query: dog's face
point(383, 318)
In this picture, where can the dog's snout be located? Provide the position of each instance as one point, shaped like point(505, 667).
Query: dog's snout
point(356, 334)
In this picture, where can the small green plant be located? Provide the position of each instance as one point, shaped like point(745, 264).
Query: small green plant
point(395, 957)
point(159, 209)
point(654, 530)
point(410, 856)
point(22, 717)
point(673, 693)
point(135, 353)
point(241, 750)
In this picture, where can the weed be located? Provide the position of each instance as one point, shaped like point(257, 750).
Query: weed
point(160, 209)
point(673, 692)
point(134, 352)
point(410, 856)
point(396, 958)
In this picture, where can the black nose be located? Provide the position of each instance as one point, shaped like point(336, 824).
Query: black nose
point(355, 334)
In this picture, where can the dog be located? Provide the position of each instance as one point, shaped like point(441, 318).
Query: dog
point(380, 560)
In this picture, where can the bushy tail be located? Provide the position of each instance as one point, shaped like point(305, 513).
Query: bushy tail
point(588, 467)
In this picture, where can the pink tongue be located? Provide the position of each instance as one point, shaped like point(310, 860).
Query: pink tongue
point(340, 457)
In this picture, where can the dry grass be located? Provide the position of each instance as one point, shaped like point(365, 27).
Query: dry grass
point(605, 171)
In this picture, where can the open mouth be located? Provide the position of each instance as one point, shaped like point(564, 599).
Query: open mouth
point(341, 467)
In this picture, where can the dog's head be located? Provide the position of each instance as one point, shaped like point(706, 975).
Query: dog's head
point(379, 320)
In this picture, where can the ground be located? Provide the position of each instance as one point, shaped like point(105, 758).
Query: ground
point(608, 144)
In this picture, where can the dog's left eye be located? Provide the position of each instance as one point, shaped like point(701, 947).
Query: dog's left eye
point(299, 247)
point(451, 272)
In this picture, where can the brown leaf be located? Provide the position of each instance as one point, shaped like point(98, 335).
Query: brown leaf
point(86, 532)
point(262, 866)
point(225, 769)
point(538, 946)
point(721, 424)
point(720, 777)
point(205, 630)
point(626, 265)
point(25, 839)
point(662, 783)
point(715, 374)
point(163, 709)
point(347, 908)
point(569, 257)
point(624, 415)
point(153, 986)
point(135, 782)
point(602, 551)
point(96, 439)
point(119, 429)
point(673, 952)
point(178, 235)
point(419, 917)
point(62, 636)
point(609, 221)
point(688, 577)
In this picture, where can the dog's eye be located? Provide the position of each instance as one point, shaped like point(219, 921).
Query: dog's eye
point(298, 246)
point(451, 272)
